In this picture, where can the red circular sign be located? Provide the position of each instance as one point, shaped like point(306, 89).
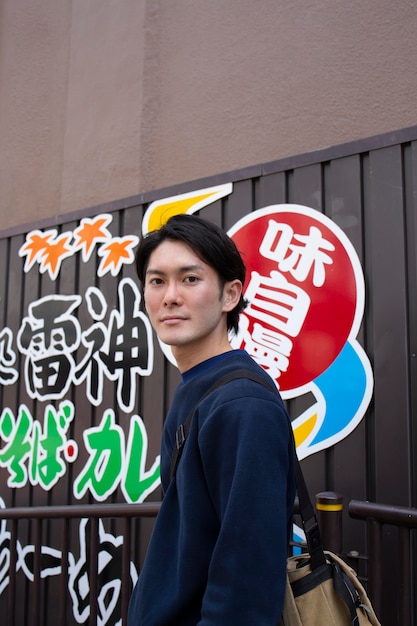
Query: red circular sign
point(302, 284)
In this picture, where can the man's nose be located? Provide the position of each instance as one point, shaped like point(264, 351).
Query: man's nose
point(172, 295)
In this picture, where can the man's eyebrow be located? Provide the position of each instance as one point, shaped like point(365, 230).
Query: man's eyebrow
point(181, 270)
point(150, 270)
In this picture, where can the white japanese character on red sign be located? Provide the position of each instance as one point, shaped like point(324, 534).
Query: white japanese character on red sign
point(297, 259)
point(272, 299)
point(268, 348)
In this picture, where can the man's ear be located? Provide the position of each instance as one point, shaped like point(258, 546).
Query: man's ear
point(231, 294)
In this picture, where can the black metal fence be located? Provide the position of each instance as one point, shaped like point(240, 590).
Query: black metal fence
point(330, 518)
point(38, 611)
point(404, 519)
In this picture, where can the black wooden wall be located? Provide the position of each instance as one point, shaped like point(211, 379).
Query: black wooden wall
point(369, 188)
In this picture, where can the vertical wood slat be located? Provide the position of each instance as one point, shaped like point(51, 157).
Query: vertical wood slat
point(63, 586)
point(270, 189)
point(93, 570)
point(239, 203)
point(126, 586)
point(405, 576)
point(343, 202)
point(387, 292)
point(36, 591)
point(410, 184)
point(388, 426)
point(305, 188)
point(11, 591)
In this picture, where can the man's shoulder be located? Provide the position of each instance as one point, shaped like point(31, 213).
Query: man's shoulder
point(236, 376)
point(241, 365)
point(239, 377)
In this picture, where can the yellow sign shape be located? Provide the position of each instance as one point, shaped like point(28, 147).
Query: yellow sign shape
point(160, 211)
point(304, 430)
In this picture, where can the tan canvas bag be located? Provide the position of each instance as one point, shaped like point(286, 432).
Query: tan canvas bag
point(315, 598)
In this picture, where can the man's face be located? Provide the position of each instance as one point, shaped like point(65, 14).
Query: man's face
point(185, 302)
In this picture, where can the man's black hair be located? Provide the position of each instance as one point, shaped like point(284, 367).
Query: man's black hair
point(209, 242)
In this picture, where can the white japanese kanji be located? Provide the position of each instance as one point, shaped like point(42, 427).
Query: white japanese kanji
point(268, 348)
point(278, 303)
point(297, 258)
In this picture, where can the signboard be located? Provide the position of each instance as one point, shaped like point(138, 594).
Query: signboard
point(306, 302)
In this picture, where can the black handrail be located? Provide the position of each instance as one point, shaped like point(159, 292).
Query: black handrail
point(405, 518)
point(74, 511)
point(329, 507)
point(64, 513)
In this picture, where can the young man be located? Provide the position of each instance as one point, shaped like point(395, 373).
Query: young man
point(217, 556)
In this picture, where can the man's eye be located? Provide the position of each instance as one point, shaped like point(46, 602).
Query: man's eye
point(191, 279)
point(155, 281)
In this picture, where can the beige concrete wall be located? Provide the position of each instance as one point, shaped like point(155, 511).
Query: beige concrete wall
point(103, 99)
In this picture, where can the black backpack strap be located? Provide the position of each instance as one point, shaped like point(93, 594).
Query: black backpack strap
point(309, 519)
point(184, 429)
point(347, 591)
point(307, 512)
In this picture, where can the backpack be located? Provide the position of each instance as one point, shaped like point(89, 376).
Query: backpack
point(321, 588)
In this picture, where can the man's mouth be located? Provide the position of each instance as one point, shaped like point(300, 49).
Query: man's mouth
point(172, 319)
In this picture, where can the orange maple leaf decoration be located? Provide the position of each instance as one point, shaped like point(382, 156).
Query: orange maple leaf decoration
point(36, 244)
point(54, 253)
point(115, 253)
point(90, 232)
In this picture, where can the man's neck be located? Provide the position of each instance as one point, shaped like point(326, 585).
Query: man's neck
point(186, 357)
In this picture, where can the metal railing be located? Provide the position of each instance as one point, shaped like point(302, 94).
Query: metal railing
point(94, 512)
point(405, 519)
point(329, 511)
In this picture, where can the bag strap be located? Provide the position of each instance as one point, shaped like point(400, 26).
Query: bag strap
point(348, 592)
point(309, 519)
point(307, 512)
point(184, 429)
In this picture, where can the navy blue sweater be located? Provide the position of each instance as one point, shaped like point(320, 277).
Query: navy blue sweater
point(217, 556)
